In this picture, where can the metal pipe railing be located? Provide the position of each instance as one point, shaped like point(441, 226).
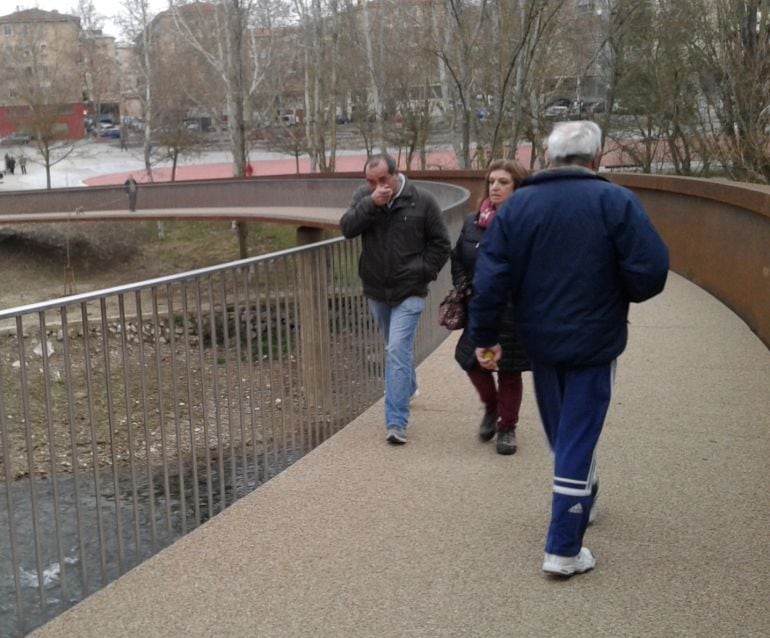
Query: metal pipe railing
point(129, 416)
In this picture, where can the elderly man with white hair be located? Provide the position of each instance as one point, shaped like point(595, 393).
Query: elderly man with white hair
point(572, 250)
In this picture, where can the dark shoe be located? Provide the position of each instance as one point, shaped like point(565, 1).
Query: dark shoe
point(396, 435)
point(488, 426)
point(506, 442)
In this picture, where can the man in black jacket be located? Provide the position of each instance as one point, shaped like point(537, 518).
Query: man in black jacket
point(405, 244)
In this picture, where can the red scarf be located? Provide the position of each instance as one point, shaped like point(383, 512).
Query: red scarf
point(486, 213)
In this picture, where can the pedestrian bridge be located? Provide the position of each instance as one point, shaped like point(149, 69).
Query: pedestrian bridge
point(442, 537)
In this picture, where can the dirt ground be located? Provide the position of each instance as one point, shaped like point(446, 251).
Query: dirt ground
point(35, 262)
point(34, 269)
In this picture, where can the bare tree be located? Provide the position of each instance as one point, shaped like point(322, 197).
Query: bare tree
point(330, 110)
point(43, 122)
point(658, 88)
point(136, 20)
point(462, 37)
point(288, 139)
point(223, 36)
point(98, 61)
point(319, 43)
point(375, 67)
point(732, 59)
point(174, 138)
point(229, 46)
point(47, 91)
point(528, 36)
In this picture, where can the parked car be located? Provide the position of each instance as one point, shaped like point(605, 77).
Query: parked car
point(112, 133)
point(557, 109)
point(617, 108)
point(15, 139)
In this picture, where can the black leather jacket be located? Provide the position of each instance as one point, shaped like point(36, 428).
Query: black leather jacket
point(404, 245)
point(463, 267)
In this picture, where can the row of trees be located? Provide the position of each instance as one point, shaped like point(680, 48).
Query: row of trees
point(692, 75)
point(697, 76)
point(693, 78)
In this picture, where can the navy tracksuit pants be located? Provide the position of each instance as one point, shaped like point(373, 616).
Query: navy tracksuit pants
point(573, 404)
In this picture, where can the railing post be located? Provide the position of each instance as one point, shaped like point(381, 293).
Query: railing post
point(243, 239)
point(315, 360)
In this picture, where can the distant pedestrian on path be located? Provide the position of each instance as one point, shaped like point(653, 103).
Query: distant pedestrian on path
point(11, 164)
point(132, 189)
point(405, 244)
point(23, 164)
point(249, 170)
point(572, 250)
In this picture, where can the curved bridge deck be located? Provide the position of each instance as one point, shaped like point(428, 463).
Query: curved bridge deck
point(315, 216)
point(444, 538)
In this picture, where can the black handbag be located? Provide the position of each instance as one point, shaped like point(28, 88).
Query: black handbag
point(453, 310)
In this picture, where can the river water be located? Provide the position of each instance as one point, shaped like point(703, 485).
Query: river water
point(119, 528)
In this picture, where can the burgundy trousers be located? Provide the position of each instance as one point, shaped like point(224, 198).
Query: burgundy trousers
point(503, 397)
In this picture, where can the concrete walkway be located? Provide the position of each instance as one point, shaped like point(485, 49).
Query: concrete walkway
point(444, 538)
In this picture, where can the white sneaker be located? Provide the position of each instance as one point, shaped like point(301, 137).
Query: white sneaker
point(569, 565)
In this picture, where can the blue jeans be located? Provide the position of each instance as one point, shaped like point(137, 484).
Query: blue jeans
point(399, 325)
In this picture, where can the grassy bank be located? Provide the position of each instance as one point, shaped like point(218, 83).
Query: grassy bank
point(100, 255)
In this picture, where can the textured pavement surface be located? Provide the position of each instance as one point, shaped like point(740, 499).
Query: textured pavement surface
point(443, 537)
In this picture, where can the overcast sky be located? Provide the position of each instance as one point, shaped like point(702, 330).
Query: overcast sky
point(106, 8)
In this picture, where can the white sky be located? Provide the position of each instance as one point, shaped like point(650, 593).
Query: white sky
point(106, 8)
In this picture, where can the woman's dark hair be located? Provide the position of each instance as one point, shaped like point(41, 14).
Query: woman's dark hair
point(512, 167)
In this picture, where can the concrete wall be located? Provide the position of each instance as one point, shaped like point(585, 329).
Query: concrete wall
point(718, 233)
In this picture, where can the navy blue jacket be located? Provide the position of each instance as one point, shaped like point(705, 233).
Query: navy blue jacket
point(573, 250)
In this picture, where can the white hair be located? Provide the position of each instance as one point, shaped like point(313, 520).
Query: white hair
point(575, 142)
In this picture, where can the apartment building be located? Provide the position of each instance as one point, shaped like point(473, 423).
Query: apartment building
point(52, 74)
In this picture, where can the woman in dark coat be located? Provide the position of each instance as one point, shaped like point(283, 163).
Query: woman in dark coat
point(502, 400)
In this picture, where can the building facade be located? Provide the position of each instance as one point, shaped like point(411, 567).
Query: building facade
point(53, 74)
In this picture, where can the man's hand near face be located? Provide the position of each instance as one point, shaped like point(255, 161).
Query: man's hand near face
point(382, 194)
point(382, 184)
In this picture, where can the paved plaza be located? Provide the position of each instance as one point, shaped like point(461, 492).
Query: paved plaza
point(98, 163)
